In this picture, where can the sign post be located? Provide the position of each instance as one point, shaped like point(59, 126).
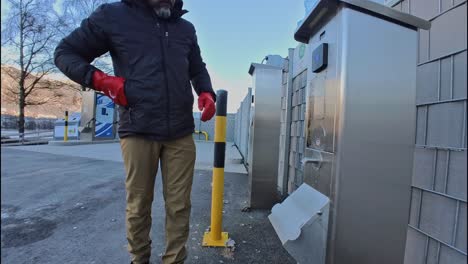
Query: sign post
point(65, 135)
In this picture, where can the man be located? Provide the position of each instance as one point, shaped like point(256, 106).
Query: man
point(156, 59)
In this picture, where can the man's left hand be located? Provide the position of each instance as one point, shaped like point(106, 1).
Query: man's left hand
point(207, 105)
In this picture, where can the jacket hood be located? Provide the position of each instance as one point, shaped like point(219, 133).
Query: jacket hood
point(177, 10)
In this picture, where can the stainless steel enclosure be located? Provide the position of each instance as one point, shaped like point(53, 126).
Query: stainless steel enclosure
point(360, 125)
point(264, 134)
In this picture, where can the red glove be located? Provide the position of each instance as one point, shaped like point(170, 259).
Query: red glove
point(207, 105)
point(110, 86)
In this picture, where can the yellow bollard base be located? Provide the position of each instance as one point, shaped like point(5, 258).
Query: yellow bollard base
point(208, 242)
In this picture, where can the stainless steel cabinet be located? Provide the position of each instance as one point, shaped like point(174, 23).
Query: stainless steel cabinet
point(360, 125)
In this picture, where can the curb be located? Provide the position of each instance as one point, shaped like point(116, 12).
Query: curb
point(79, 143)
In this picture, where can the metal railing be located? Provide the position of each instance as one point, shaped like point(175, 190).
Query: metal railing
point(204, 133)
point(27, 138)
point(242, 126)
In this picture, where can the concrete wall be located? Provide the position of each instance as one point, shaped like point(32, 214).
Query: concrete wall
point(438, 219)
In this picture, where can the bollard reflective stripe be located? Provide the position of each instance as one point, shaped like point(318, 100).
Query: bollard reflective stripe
point(220, 142)
point(220, 129)
point(65, 135)
point(215, 237)
point(219, 150)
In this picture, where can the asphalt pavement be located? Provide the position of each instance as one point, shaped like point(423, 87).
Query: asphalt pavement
point(70, 208)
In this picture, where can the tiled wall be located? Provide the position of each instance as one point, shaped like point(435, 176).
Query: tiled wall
point(438, 217)
point(297, 142)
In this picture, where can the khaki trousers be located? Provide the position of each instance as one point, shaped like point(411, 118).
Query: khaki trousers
point(141, 157)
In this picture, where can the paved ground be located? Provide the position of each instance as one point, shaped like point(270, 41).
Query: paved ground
point(70, 209)
point(111, 152)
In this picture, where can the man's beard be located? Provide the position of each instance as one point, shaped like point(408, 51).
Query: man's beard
point(163, 12)
point(163, 8)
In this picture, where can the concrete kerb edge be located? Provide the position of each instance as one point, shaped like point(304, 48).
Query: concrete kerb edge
point(78, 142)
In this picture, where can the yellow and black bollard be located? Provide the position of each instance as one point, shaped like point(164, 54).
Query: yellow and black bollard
point(215, 237)
point(65, 135)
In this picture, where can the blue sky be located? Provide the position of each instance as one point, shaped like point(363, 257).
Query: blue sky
point(234, 33)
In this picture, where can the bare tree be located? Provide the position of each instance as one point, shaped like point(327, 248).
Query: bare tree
point(30, 34)
point(73, 12)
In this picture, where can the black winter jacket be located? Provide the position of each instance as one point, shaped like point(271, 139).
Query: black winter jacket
point(159, 60)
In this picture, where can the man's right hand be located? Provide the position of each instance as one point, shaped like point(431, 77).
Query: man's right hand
point(110, 86)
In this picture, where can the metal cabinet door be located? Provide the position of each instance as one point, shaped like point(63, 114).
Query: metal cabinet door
point(318, 170)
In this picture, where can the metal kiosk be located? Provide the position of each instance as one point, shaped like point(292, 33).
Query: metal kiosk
point(360, 133)
point(264, 134)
